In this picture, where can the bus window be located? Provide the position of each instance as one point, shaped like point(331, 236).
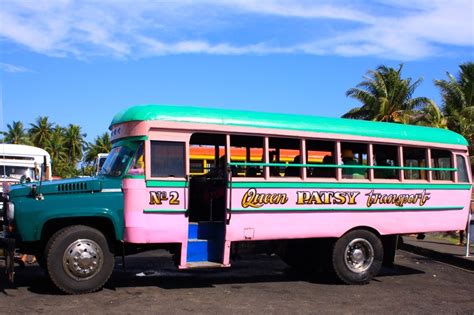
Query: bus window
point(287, 151)
point(321, 152)
point(247, 149)
point(205, 149)
point(167, 159)
point(414, 157)
point(462, 169)
point(441, 158)
point(138, 164)
point(386, 156)
point(196, 166)
point(354, 154)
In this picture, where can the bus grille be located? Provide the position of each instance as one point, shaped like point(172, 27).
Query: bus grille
point(72, 187)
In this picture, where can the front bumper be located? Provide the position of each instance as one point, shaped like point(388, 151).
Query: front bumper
point(7, 243)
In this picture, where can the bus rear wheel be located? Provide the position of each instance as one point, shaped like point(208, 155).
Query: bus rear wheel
point(357, 257)
point(79, 259)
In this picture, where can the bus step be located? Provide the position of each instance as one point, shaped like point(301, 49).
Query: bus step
point(205, 230)
point(204, 264)
point(204, 250)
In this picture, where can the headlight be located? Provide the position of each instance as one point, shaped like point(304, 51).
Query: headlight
point(10, 211)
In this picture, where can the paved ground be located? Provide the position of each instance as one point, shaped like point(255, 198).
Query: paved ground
point(441, 249)
point(258, 284)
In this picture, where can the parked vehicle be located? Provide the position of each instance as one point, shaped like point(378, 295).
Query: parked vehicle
point(99, 162)
point(22, 163)
point(314, 190)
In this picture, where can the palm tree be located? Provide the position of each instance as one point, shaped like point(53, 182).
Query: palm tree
point(41, 131)
point(385, 96)
point(74, 142)
point(458, 100)
point(101, 144)
point(16, 134)
point(57, 150)
point(431, 116)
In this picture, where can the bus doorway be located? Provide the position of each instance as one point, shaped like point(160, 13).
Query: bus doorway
point(207, 199)
point(207, 190)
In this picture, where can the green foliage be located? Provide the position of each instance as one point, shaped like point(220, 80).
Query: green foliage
point(74, 142)
point(88, 170)
point(55, 146)
point(101, 144)
point(66, 145)
point(40, 132)
point(458, 101)
point(431, 116)
point(16, 134)
point(386, 96)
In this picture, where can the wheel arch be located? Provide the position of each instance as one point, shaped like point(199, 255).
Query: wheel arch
point(366, 228)
point(103, 224)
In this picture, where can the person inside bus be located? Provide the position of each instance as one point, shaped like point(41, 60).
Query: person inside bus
point(325, 171)
point(381, 160)
point(292, 171)
point(214, 190)
point(348, 159)
point(219, 171)
point(274, 170)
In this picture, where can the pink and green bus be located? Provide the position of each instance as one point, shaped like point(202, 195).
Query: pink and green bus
point(344, 209)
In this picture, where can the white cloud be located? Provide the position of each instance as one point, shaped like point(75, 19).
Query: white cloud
point(399, 29)
point(6, 67)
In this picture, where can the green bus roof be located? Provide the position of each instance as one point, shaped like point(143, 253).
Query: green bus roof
point(240, 118)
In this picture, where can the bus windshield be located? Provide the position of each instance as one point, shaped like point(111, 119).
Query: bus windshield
point(16, 171)
point(117, 161)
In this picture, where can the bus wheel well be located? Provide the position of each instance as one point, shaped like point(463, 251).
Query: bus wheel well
point(104, 225)
point(366, 228)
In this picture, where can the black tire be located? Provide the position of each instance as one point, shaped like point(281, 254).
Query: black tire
point(357, 257)
point(79, 259)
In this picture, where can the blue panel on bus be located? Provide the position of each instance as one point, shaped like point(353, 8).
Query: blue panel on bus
point(193, 230)
point(205, 241)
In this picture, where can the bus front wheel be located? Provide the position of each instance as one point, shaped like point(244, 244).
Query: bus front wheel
point(79, 259)
point(357, 257)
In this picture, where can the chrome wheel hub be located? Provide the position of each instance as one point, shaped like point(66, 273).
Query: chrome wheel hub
point(359, 255)
point(83, 259)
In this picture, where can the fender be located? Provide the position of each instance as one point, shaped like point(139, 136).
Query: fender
point(35, 213)
point(106, 213)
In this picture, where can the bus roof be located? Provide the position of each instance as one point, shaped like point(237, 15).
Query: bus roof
point(189, 114)
point(7, 150)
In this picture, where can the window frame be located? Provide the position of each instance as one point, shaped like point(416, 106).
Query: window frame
point(340, 162)
point(427, 164)
point(337, 161)
point(466, 164)
point(453, 165)
point(400, 172)
point(169, 136)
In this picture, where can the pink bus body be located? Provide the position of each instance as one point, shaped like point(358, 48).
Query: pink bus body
point(282, 208)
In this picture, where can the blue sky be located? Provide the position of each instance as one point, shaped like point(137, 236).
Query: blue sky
point(82, 61)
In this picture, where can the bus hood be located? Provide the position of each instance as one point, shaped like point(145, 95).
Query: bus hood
point(64, 186)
